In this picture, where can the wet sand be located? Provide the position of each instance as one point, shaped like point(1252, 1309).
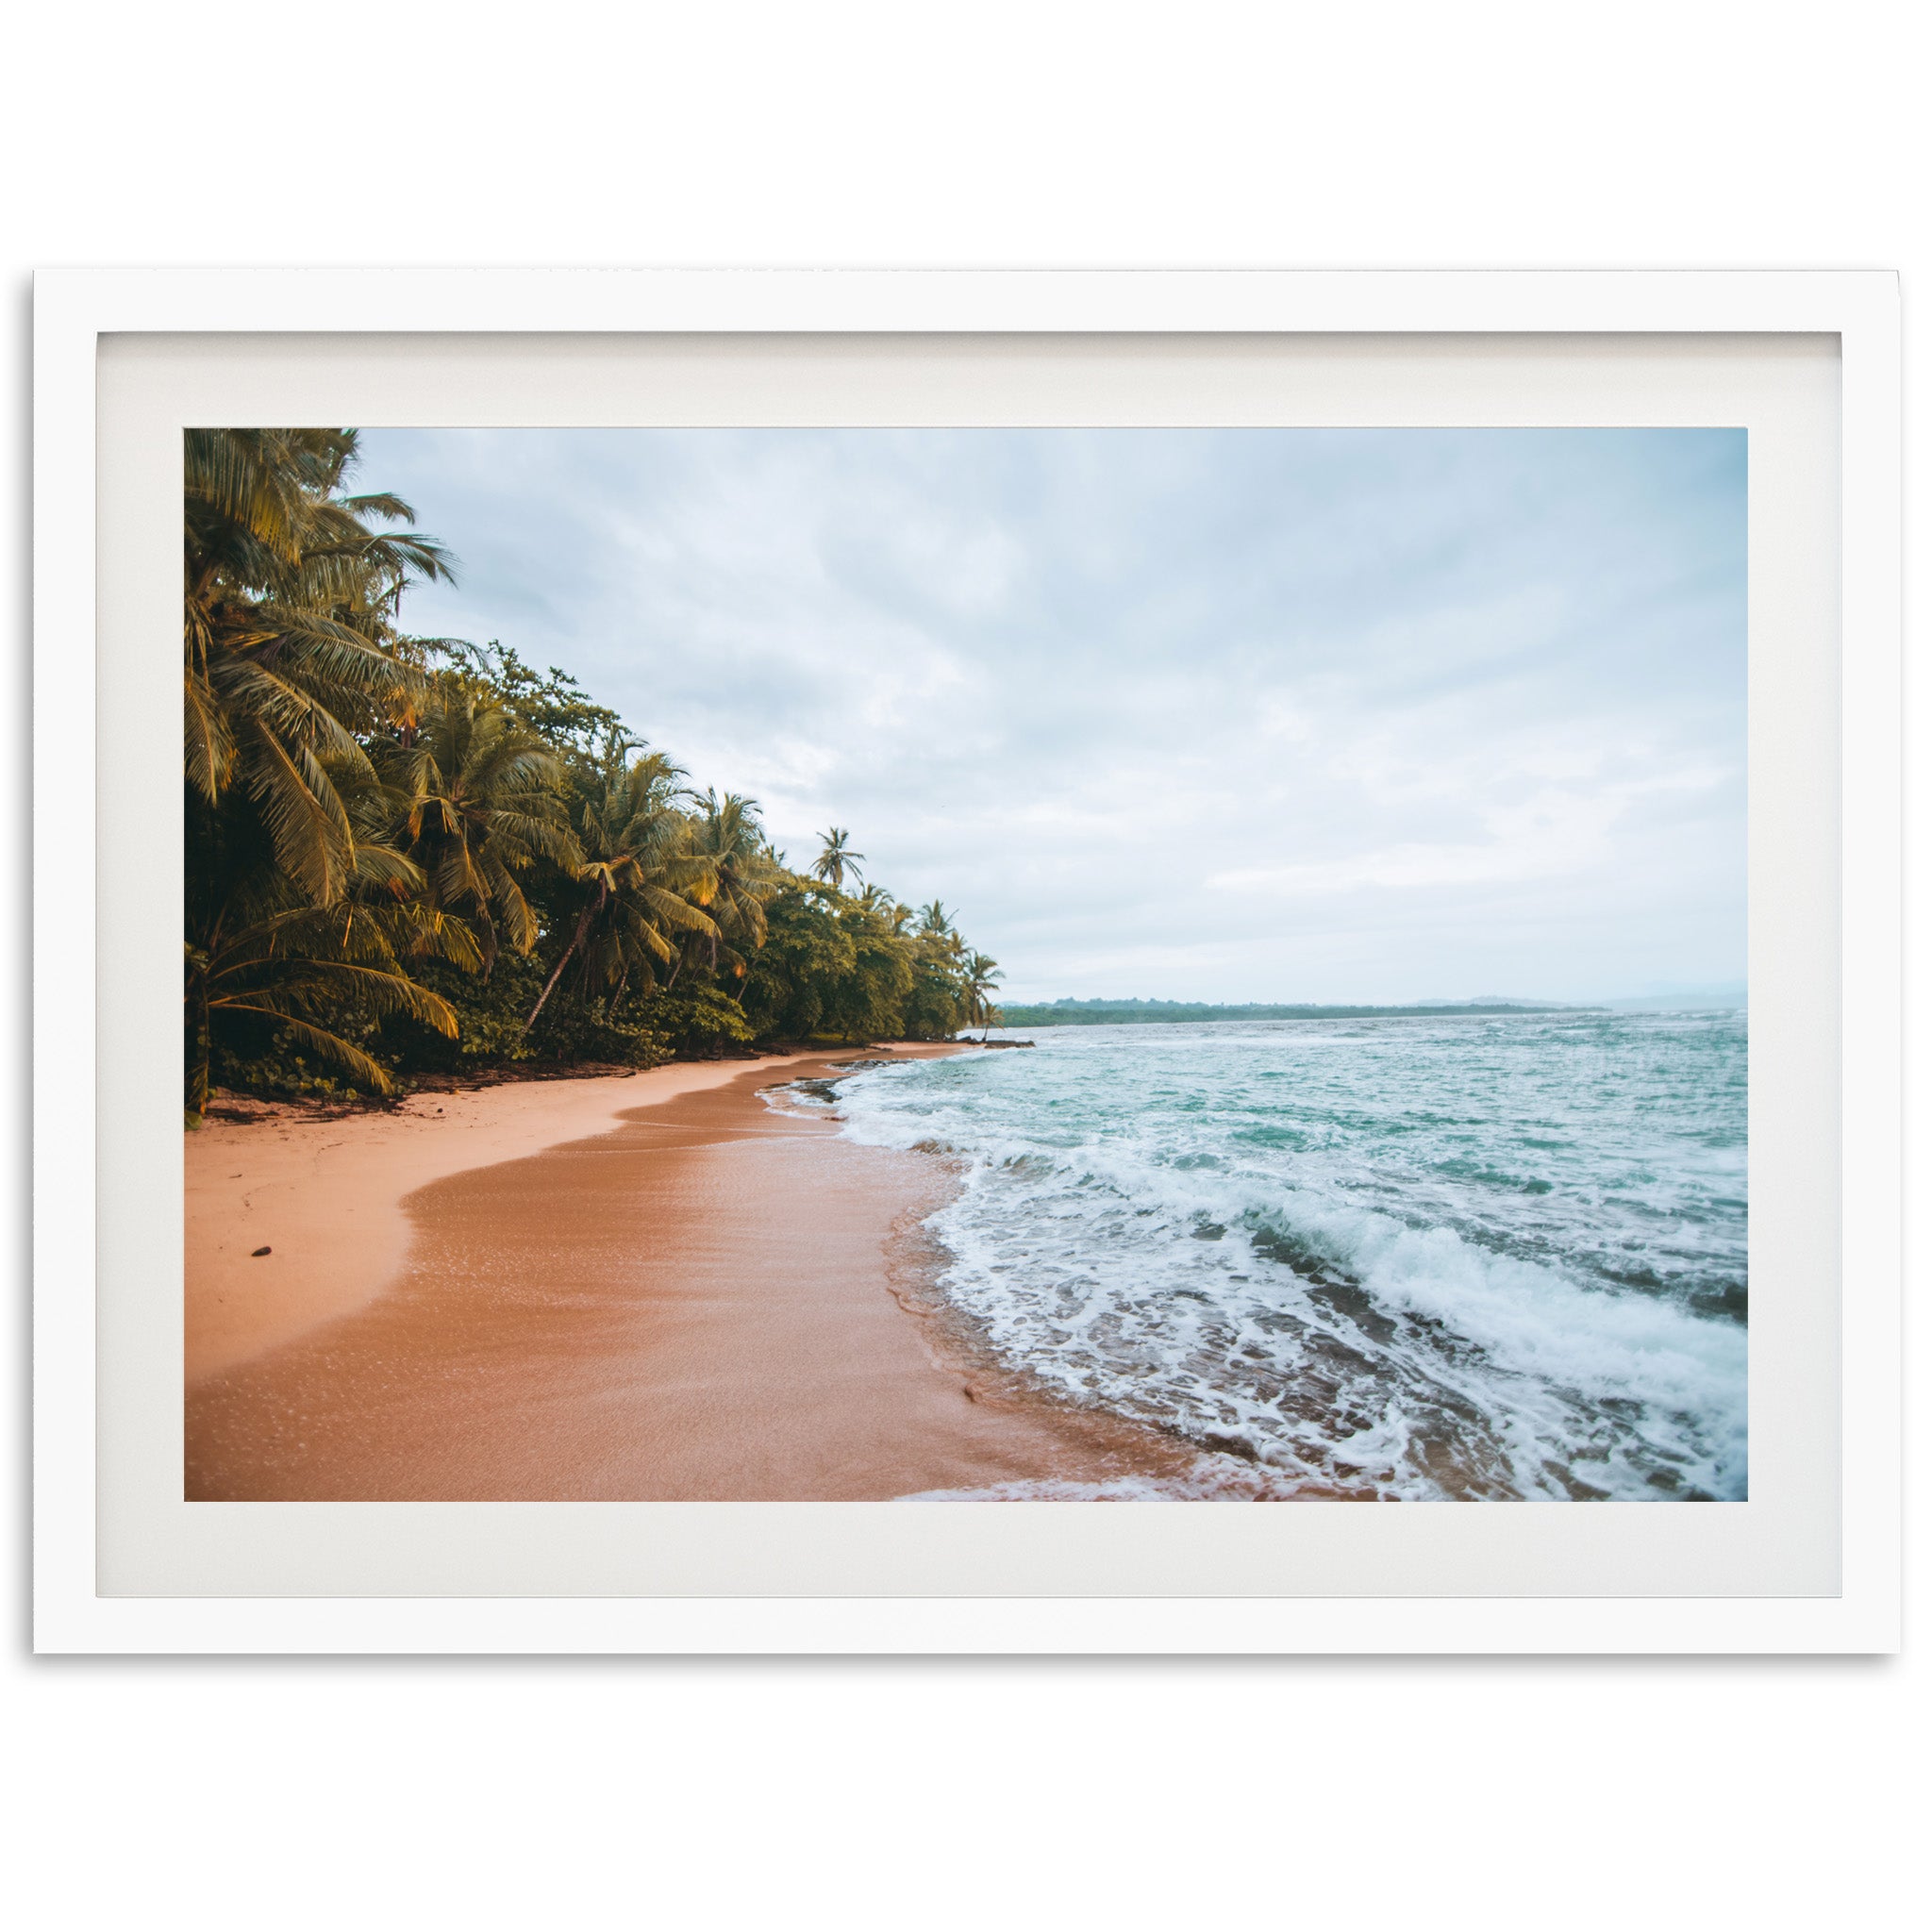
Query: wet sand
point(325, 1195)
point(708, 1300)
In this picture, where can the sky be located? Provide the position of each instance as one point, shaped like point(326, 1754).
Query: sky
point(1251, 715)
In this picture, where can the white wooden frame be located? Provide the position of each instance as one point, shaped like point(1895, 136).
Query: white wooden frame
point(74, 309)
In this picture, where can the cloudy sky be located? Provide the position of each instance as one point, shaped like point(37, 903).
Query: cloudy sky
point(1191, 714)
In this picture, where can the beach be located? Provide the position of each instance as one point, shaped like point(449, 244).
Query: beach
point(650, 1287)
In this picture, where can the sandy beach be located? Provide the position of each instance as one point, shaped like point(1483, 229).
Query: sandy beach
point(638, 1288)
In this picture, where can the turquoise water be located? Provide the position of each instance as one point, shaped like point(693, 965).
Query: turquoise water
point(1490, 1258)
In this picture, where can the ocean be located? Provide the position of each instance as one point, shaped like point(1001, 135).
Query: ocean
point(1484, 1258)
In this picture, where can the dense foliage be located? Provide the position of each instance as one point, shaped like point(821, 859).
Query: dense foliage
point(411, 855)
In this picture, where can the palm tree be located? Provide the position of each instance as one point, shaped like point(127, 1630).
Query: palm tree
point(641, 873)
point(308, 972)
point(937, 927)
point(476, 795)
point(288, 636)
point(727, 835)
point(836, 858)
point(981, 975)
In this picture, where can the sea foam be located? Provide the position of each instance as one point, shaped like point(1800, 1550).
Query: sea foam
point(1488, 1258)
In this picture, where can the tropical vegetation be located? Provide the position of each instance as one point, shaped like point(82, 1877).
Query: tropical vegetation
point(409, 856)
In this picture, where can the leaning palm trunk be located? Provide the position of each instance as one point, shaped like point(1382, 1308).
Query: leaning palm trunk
point(635, 851)
point(576, 939)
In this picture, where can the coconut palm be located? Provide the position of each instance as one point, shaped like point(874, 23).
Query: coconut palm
point(308, 973)
point(836, 858)
point(641, 876)
point(981, 976)
point(727, 835)
point(475, 793)
point(289, 633)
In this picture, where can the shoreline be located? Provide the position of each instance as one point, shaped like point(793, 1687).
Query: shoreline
point(637, 1287)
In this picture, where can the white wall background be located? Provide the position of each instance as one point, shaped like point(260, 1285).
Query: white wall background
point(1442, 1793)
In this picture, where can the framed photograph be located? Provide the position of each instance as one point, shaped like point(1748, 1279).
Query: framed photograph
point(840, 950)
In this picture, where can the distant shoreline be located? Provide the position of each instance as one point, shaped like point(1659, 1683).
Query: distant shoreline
point(1174, 1012)
point(1180, 1013)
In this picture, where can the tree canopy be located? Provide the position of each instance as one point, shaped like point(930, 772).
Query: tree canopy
point(409, 855)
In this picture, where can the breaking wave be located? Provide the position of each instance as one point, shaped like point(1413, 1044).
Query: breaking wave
point(1494, 1258)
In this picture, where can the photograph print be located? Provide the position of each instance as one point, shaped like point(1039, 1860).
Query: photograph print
point(989, 965)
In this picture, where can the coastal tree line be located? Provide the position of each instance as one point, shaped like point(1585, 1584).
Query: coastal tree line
point(411, 854)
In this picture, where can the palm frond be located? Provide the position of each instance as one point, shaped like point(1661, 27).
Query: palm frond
point(330, 1045)
point(304, 816)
